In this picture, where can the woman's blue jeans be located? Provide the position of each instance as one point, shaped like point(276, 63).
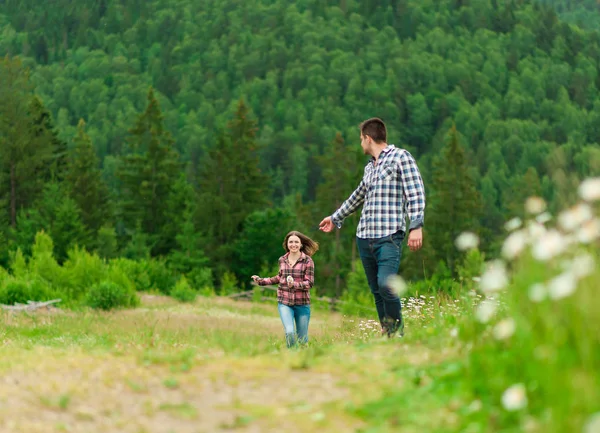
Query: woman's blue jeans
point(298, 315)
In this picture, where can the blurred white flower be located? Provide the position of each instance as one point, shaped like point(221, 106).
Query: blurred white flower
point(454, 332)
point(515, 397)
point(589, 231)
point(543, 218)
point(582, 265)
point(485, 311)
point(467, 241)
point(504, 329)
point(514, 244)
point(513, 224)
point(397, 284)
point(549, 245)
point(535, 205)
point(535, 230)
point(537, 292)
point(494, 278)
point(475, 406)
point(562, 286)
point(592, 425)
point(574, 217)
point(589, 189)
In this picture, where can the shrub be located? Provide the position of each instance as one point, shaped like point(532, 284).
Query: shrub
point(107, 295)
point(17, 290)
point(183, 292)
point(160, 276)
point(134, 270)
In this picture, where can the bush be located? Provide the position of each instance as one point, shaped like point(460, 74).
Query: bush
point(183, 292)
point(13, 290)
point(201, 279)
point(80, 272)
point(160, 276)
point(107, 295)
point(134, 270)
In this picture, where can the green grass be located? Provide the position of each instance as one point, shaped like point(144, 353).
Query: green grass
point(220, 365)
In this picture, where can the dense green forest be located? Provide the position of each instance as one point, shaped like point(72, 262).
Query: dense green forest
point(199, 133)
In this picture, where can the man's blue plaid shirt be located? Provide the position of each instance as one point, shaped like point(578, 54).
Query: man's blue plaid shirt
point(389, 190)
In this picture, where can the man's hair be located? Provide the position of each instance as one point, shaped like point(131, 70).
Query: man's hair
point(374, 128)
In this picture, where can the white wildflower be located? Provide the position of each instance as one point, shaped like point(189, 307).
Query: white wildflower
point(589, 189)
point(535, 205)
point(589, 231)
point(549, 245)
point(467, 241)
point(485, 311)
point(537, 292)
point(515, 397)
point(583, 265)
point(562, 286)
point(574, 217)
point(397, 284)
point(494, 278)
point(592, 425)
point(543, 218)
point(504, 329)
point(513, 224)
point(535, 230)
point(454, 332)
point(514, 244)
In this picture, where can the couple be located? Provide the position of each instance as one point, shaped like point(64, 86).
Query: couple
point(391, 188)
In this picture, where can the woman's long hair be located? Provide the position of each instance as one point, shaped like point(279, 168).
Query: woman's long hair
point(309, 246)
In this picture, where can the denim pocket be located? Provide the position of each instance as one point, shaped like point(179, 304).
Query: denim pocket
point(397, 238)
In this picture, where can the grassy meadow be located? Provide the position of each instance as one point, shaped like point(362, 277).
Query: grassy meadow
point(516, 349)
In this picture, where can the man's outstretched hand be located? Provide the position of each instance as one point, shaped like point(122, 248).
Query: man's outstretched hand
point(326, 225)
point(415, 239)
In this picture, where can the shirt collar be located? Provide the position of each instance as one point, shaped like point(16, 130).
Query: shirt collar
point(302, 256)
point(387, 149)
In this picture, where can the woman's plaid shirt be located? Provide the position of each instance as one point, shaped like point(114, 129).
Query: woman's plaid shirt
point(303, 273)
point(389, 190)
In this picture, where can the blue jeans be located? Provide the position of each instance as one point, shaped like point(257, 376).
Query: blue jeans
point(381, 258)
point(300, 314)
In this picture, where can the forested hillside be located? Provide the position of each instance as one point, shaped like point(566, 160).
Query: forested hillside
point(583, 13)
point(250, 128)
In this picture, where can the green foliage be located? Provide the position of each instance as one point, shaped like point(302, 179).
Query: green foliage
point(17, 290)
point(229, 284)
point(183, 292)
point(520, 85)
point(108, 295)
point(106, 242)
point(147, 172)
point(357, 298)
point(85, 184)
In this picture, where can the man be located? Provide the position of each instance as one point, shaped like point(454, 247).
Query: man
point(391, 188)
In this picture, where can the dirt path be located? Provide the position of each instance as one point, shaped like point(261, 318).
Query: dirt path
point(69, 389)
point(82, 393)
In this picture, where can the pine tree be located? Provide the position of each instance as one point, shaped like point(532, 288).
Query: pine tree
point(85, 183)
point(341, 171)
point(44, 129)
point(147, 174)
point(455, 201)
point(231, 187)
point(26, 146)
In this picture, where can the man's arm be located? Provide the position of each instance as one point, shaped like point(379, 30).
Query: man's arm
point(350, 205)
point(413, 191)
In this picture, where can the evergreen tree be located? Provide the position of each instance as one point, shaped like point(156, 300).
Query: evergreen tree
point(147, 174)
point(85, 184)
point(26, 147)
point(341, 170)
point(231, 187)
point(455, 201)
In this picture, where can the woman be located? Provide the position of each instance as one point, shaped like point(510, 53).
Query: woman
point(295, 279)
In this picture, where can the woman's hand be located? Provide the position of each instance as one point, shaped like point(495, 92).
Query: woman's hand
point(290, 280)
